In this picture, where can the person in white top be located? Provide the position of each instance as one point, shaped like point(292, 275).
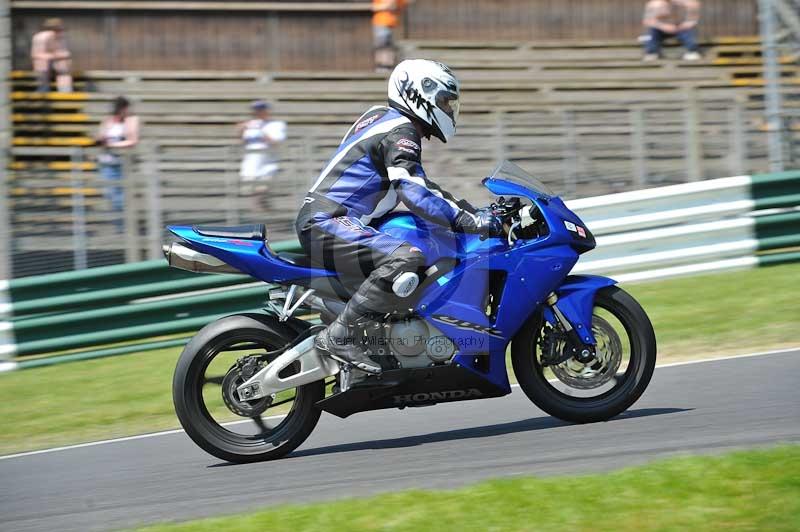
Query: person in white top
point(49, 56)
point(259, 135)
point(117, 132)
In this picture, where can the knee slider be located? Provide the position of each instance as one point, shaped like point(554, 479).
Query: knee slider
point(405, 284)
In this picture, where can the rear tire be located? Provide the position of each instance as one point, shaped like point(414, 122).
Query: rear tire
point(190, 405)
point(533, 379)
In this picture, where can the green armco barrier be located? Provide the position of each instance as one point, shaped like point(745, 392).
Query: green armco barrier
point(28, 332)
point(101, 353)
point(778, 231)
point(111, 296)
point(109, 336)
point(774, 259)
point(772, 191)
point(107, 277)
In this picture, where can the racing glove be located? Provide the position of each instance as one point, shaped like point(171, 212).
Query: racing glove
point(483, 222)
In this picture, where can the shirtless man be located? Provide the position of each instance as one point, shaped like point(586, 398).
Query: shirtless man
point(49, 55)
point(672, 18)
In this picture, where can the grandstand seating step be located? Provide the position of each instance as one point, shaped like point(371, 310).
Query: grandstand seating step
point(26, 85)
point(45, 106)
point(50, 96)
point(28, 128)
point(53, 141)
point(50, 117)
point(51, 165)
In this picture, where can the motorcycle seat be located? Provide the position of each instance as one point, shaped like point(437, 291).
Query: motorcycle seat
point(242, 232)
point(298, 259)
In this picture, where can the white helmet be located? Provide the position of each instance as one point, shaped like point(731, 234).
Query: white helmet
point(426, 90)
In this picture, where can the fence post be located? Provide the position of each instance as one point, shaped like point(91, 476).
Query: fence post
point(570, 152)
point(769, 47)
point(154, 214)
point(5, 141)
point(231, 187)
point(500, 136)
point(694, 148)
point(737, 153)
point(79, 243)
point(130, 206)
point(638, 147)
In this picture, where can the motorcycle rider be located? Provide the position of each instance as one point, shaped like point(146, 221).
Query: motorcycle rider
point(377, 166)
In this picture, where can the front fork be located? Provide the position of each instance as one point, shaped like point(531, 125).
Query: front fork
point(570, 309)
point(581, 348)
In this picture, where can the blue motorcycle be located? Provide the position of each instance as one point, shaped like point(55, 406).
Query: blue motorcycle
point(252, 386)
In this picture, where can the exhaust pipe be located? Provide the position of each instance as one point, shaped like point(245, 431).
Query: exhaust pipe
point(185, 258)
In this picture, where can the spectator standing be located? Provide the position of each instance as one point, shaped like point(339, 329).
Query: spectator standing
point(51, 57)
point(386, 14)
point(672, 18)
point(259, 135)
point(117, 132)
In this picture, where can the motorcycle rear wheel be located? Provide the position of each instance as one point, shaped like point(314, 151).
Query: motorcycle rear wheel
point(197, 409)
point(563, 391)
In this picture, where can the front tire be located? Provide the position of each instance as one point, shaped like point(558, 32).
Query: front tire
point(199, 408)
point(559, 391)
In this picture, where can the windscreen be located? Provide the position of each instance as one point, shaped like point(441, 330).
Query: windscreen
point(508, 171)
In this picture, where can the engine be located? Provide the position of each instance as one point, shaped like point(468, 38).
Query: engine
point(416, 344)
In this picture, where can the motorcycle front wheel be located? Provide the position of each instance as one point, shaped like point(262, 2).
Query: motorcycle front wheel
point(213, 364)
point(602, 388)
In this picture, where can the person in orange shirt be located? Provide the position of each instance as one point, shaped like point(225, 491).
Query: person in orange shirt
point(384, 20)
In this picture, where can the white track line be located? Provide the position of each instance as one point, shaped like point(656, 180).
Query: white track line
point(176, 431)
point(116, 440)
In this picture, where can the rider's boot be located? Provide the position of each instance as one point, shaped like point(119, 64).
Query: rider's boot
point(342, 339)
point(376, 295)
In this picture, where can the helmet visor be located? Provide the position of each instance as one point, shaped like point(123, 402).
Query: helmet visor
point(447, 101)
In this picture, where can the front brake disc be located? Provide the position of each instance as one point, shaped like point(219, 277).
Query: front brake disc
point(602, 368)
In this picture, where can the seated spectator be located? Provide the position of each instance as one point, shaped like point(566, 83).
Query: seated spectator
point(672, 18)
point(384, 21)
point(117, 132)
point(50, 57)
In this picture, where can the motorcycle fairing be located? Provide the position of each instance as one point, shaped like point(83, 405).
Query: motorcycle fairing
point(455, 304)
point(435, 241)
point(576, 301)
point(252, 257)
point(400, 388)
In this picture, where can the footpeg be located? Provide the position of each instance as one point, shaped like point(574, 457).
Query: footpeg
point(345, 378)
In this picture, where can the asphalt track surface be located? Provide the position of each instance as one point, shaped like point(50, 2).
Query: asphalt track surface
point(695, 408)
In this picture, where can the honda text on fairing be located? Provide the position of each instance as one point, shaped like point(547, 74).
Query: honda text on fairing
point(252, 386)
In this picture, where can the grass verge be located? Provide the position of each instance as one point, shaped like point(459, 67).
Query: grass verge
point(694, 317)
point(736, 312)
point(755, 490)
